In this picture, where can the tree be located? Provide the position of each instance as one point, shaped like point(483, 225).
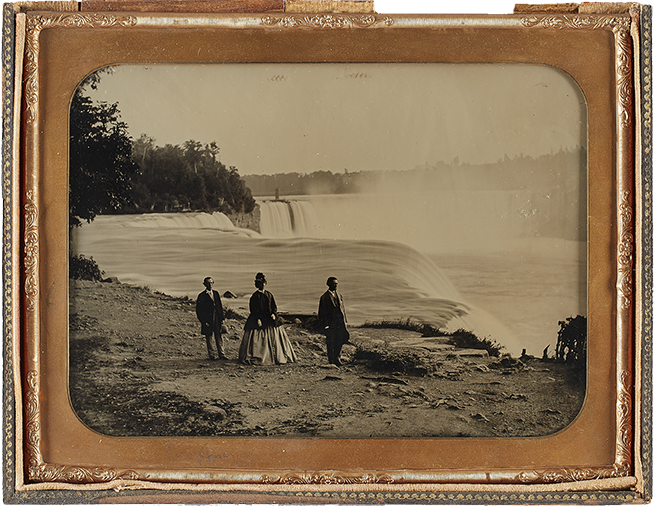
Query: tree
point(101, 165)
point(142, 150)
point(189, 177)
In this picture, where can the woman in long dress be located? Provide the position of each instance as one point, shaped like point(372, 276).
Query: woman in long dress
point(264, 343)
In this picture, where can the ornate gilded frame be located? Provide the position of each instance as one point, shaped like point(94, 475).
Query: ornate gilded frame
point(34, 303)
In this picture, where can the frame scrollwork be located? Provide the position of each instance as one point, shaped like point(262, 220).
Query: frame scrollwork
point(329, 21)
point(38, 471)
point(620, 26)
point(646, 238)
point(35, 25)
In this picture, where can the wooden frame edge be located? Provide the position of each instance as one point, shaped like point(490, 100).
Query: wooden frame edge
point(40, 471)
point(8, 240)
point(644, 316)
point(628, 232)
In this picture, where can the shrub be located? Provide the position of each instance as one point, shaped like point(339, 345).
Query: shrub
point(464, 339)
point(381, 359)
point(80, 267)
point(460, 338)
point(571, 343)
point(426, 329)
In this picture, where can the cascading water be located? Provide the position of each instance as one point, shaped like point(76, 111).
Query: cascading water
point(283, 219)
point(276, 220)
point(373, 273)
point(381, 247)
point(431, 222)
point(214, 221)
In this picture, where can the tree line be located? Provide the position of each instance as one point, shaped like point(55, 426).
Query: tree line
point(322, 182)
point(100, 165)
point(186, 177)
point(556, 170)
point(110, 173)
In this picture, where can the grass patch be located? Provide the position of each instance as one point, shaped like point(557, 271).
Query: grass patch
point(230, 314)
point(460, 338)
point(416, 363)
point(464, 339)
point(426, 329)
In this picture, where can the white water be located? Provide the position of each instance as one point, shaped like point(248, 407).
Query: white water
point(430, 222)
point(487, 271)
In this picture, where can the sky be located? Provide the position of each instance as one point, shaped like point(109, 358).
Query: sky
point(271, 118)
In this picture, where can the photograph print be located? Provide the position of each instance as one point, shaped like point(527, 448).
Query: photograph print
point(328, 250)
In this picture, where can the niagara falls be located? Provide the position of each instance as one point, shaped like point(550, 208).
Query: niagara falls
point(449, 201)
point(390, 251)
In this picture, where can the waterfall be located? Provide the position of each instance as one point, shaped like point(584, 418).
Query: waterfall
point(380, 279)
point(276, 220)
point(303, 218)
point(430, 221)
point(213, 221)
point(285, 219)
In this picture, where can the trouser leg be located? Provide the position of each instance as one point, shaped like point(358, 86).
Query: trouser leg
point(333, 348)
point(330, 348)
point(217, 340)
point(220, 343)
point(337, 350)
point(211, 347)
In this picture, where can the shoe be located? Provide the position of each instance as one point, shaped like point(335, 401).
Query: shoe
point(223, 358)
point(337, 362)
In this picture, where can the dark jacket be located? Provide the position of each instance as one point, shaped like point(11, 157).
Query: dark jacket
point(209, 312)
point(262, 308)
point(331, 310)
point(332, 318)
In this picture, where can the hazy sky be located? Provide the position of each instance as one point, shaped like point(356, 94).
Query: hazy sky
point(301, 118)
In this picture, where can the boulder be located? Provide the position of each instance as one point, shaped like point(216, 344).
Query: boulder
point(219, 413)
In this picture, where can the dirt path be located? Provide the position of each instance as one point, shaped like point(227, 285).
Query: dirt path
point(138, 366)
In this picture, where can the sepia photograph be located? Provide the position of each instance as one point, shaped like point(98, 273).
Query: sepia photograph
point(306, 251)
point(334, 250)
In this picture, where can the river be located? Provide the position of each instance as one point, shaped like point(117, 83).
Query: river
point(482, 263)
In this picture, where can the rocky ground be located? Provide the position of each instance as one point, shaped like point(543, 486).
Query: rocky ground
point(138, 366)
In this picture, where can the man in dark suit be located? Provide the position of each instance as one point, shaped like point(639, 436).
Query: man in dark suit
point(332, 317)
point(210, 313)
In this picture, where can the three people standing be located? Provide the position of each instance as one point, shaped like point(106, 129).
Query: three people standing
point(264, 341)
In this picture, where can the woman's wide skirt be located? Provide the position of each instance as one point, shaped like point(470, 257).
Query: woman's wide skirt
point(267, 346)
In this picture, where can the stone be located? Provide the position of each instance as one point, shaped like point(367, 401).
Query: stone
point(407, 343)
point(471, 353)
point(436, 347)
point(219, 413)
